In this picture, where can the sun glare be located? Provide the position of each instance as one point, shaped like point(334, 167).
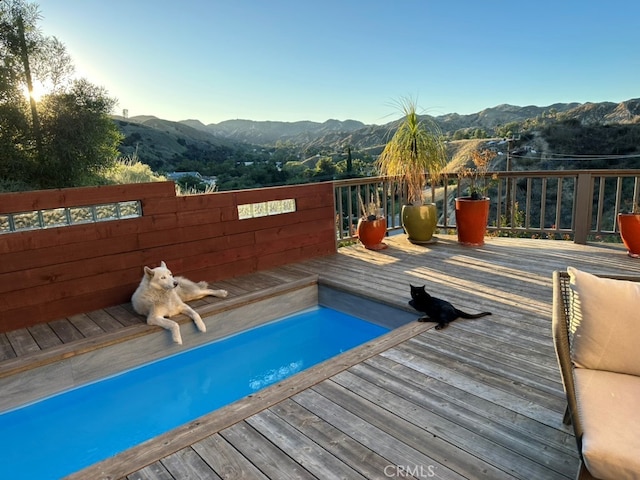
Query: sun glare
point(39, 91)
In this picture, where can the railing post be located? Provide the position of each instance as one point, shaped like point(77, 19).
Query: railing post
point(582, 208)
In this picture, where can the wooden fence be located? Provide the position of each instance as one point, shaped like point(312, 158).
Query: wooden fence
point(52, 273)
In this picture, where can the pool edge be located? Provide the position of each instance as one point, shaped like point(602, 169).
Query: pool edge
point(159, 447)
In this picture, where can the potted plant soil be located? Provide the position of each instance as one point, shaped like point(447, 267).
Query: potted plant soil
point(416, 150)
point(472, 211)
point(372, 225)
point(629, 228)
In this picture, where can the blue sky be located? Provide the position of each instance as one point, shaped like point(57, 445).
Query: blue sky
point(290, 60)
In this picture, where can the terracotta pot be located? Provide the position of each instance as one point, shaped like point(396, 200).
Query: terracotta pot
point(419, 222)
point(471, 220)
point(371, 233)
point(629, 227)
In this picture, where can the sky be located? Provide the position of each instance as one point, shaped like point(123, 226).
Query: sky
point(293, 60)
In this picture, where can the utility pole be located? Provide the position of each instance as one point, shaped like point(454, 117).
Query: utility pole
point(508, 181)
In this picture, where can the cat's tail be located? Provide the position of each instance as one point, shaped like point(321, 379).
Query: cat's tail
point(462, 314)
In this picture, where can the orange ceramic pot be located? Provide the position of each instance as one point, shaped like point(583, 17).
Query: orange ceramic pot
point(471, 220)
point(629, 227)
point(371, 233)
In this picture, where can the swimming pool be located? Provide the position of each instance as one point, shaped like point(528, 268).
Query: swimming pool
point(66, 432)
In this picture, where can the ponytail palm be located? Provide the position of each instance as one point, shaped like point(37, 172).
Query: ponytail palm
point(416, 148)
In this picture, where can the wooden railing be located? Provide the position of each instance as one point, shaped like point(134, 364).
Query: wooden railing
point(580, 205)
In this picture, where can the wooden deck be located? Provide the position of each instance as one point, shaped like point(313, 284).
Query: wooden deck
point(479, 399)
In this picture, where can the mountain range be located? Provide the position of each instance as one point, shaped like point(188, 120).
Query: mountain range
point(158, 140)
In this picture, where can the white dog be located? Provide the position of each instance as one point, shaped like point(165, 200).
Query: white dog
point(161, 295)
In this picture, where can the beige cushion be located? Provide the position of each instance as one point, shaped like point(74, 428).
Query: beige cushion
point(608, 409)
point(605, 323)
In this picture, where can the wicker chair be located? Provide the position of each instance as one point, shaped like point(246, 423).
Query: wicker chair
point(561, 325)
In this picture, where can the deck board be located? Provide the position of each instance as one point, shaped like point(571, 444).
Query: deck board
point(272, 461)
point(6, 350)
point(22, 342)
point(125, 314)
point(155, 471)
point(363, 460)
point(64, 329)
point(439, 433)
point(226, 460)
point(406, 422)
point(300, 448)
point(44, 336)
point(391, 438)
point(85, 325)
point(186, 463)
point(479, 399)
point(104, 320)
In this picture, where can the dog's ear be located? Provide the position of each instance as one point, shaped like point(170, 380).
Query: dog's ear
point(148, 271)
point(162, 264)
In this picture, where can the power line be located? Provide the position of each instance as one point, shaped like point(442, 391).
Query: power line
point(568, 157)
point(598, 156)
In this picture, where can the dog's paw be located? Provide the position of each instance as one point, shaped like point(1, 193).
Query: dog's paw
point(197, 319)
point(222, 293)
point(175, 334)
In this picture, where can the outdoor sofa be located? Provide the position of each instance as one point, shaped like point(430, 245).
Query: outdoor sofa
point(596, 332)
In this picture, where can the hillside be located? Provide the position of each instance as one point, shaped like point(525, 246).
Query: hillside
point(334, 132)
point(268, 133)
point(190, 144)
point(165, 145)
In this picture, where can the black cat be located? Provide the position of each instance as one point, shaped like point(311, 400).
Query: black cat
point(436, 309)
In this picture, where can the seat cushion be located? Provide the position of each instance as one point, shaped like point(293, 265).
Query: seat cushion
point(608, 410)
point(605, 323)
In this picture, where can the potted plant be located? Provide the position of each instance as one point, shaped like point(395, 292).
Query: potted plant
point(472, 211)
point(372, 225)
point(416, 150)
point(629, 228)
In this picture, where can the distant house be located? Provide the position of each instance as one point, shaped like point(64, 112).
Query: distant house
point(175, 176)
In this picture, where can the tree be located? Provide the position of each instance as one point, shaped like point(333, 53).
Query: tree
point(479, 133)
point(79, 138)
point(53, 64)
point(21, 39)
point(325, 169)
point(65, 138)
point(508, 130)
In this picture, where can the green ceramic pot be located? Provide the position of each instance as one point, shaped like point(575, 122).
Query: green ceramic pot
point(419, 222)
